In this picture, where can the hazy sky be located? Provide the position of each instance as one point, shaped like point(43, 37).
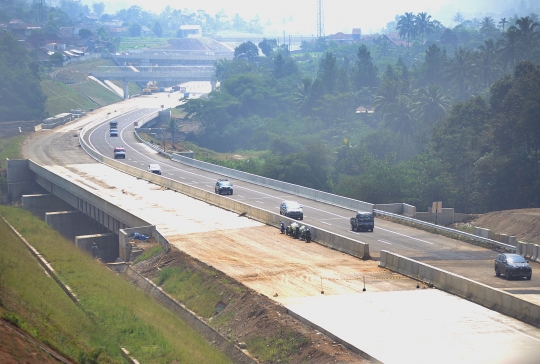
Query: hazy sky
point(339, 15)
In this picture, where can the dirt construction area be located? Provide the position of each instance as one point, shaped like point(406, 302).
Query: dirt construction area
point(279, 266)
point(523, 223)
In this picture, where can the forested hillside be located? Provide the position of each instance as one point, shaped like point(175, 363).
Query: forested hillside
point(454, 115)
point(21, 97)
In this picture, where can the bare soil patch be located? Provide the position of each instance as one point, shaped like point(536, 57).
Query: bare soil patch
point(523, 223)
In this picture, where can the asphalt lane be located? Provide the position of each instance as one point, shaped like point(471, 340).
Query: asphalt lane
point(449, 254)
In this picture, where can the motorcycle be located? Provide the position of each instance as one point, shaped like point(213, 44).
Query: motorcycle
point(282, 227)
point(308, 236)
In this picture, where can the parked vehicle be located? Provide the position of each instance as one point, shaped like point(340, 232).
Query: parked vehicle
point(223, 186)
point(291, 209)
point(512, 265)
point(119, 152)
point(363, 221)
point(154, 168)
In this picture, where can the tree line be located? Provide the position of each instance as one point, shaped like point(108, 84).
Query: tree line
point(431, 121)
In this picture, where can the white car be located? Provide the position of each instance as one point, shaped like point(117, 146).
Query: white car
point(154, 168)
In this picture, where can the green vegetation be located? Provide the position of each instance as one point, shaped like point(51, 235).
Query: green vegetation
point(277, 349)
point(191, 288)
point(112, 313)
point(10, 148)
point(148, 254)
point(429, 121)
point(20, 95)
point(62, 98)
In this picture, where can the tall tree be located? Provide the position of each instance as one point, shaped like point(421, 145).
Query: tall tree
point(460, 71)
point(366, 71)
point(267, 46)
point(328, 71)
point(511, 49)
point(247, 50)
point(424, 25)
point(502, 23)
point(488, 67)
point(432, 105)
point(406, 27)
point(458, 18)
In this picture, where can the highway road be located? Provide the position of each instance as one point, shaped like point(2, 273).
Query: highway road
point(453, 255)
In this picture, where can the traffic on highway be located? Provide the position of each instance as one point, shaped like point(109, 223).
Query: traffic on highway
point(453, 255)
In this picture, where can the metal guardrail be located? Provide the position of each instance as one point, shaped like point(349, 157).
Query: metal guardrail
point(445, 229)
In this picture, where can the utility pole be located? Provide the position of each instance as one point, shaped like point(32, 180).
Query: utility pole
point(320, 19)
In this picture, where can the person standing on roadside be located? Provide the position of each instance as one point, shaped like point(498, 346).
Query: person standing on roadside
point(94, 250)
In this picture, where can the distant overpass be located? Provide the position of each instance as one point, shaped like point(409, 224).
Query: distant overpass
point(171, 57)
point(177, 74)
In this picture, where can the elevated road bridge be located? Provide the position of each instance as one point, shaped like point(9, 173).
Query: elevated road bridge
point(167, 74)
point(171, 57)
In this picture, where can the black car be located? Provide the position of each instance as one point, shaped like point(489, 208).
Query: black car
point(512, 265)
point(291, 209)
point(223, 186)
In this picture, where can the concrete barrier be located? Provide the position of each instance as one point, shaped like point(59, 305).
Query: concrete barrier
point(482, 294)
point(504, 238)
point(278, 185)
point(528, 250)
point(512, 240)
point(320, 236)
point(519, 248)
point(536, 252)
point(409, 210)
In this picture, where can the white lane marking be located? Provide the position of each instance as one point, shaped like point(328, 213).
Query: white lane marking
point(385, 242)
point(260, 202)
point(181, 177)
point(240, 196)
point(406, 236)
point(323, 222)
point(264, 194)
point(170, 174)
point(208, 186)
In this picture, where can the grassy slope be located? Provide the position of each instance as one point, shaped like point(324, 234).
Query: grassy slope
point(117, 314)
point(64, 97)
point(10, 148)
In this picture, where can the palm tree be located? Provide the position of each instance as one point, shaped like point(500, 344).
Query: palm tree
point(487, 22)
point(460, 70)
point(386, 97)
point(511, 49)
point(424, 24)
point(432, 104)
point(400, 118)
point(301, 96)
point(488, 68)
point(458, 18)
point(406, 27)
point(503, 22)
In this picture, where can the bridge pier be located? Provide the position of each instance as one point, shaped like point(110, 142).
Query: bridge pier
point(126, 92)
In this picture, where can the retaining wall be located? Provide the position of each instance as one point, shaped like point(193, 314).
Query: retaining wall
point(482, 294)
